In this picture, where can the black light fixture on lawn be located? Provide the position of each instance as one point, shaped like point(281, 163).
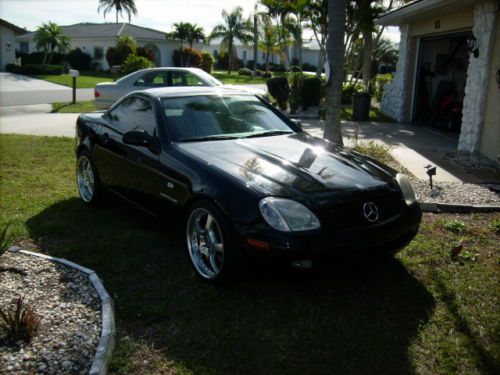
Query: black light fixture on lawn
point(472, 45)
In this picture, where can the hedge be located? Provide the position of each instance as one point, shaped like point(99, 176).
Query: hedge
point(191, 54)
point(280, 90)
point(207, 61)
point(134, 63)
point(311, 92)
point(35, 69)
point(79, 60)
point(245, 72)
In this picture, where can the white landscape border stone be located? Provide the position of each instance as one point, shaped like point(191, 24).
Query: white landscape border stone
point(106, 343)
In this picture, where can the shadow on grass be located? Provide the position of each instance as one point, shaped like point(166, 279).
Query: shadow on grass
point(355, 320)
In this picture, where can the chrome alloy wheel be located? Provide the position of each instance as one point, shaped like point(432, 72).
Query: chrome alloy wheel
point(85, 179)
point(205, 244)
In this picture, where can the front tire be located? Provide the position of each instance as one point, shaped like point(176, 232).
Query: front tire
point(87, 179)
point(212, 243)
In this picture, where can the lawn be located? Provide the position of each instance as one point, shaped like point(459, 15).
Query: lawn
point(78, 107)
point(235, 79)
point(425, 312)
point(86, 80)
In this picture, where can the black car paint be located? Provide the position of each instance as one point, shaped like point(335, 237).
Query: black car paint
point(237, 174)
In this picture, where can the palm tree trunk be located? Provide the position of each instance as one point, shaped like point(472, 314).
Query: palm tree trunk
point(255, 42)
point(367, 56)
point(189, 55)
point(267, 60)
point(230, 57)
point(181, 55)
point(117, 16)
point(335, 51)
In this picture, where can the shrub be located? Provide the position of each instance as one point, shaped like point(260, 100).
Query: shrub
point(306, 67)
point(79, 60)
point(245, 72)
point(277, 68)
point(145, 52)
point(190, 57)
point(295, 98)
point(36, 58)
point(37, 69)
point(207, 61)
point(134, 63)
point(348, 91)
point(379, 84)
point(279, 89)
point(295, 68)
point(311, 92)
point(267, 74)
point(495, 226)
point(125, 46)
point(21, 323)
point(222, 61)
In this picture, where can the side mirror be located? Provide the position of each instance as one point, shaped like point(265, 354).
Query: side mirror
point(142, 139)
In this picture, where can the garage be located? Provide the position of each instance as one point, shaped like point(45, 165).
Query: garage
point(441, 76)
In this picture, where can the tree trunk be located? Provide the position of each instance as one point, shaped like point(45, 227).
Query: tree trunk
point(367, 56)
point(181, 55)
point(321, 62)
point(335, 53)
point(230, 58)
point(117, 16)
point(189, 55)
point(267, 60)
point(255, 42)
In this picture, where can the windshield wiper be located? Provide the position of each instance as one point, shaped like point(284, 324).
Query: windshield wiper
point(209, 138)
point(269, 133)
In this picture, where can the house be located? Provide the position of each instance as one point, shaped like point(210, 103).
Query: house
point(95, 38)
point(448, 73)
point(8, 33)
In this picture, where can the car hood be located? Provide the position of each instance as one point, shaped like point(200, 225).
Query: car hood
point(288, 165)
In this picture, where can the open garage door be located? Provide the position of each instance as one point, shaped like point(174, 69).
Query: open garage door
point(440, 82)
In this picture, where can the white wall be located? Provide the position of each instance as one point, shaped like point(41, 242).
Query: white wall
point(7, 47)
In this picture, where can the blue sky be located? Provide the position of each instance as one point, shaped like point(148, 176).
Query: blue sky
point(156, 14)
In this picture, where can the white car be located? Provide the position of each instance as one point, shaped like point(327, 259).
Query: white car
point(107, 93)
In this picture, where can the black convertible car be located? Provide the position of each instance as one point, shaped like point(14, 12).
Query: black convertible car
point(249, 179)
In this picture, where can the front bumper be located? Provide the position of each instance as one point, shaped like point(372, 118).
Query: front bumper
point(371, 241)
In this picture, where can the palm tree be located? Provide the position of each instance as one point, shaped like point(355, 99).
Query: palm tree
point(279, 9)
point(335, 52)
point(50, 37)
point(300, 11)
point(194, 34)
point(268, 39)
point(120, 6)
point(233, 28)
point(181, 32)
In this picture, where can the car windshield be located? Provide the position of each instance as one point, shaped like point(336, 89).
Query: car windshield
point(201, 118)
point(209, 79)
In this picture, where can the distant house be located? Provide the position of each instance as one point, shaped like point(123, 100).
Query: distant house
point(448, 73)
point(95, 38)
point(8, 33)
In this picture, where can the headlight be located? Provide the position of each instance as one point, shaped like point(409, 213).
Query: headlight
point(406, 189)
point(287, 216)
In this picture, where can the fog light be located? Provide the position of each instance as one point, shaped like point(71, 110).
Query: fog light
point(304, 263)
point(262, 245)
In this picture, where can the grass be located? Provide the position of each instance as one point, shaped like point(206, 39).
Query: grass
point(235, 79)
point(425, 312)
point(86, 80)
point(375, 115)
point(78, 107)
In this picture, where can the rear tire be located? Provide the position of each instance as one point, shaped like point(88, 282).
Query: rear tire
point(212, 243)
point(87, 179)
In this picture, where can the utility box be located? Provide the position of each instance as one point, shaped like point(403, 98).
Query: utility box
point(361, 104)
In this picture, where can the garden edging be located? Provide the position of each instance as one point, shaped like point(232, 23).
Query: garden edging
point(106, 343)
point(457, 208)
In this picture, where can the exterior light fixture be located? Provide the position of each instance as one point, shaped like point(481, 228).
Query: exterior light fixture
point(472, 45)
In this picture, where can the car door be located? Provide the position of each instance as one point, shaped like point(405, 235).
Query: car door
point(109, 151)
point(146, 180)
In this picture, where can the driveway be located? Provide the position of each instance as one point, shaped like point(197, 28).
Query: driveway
point(16, 89)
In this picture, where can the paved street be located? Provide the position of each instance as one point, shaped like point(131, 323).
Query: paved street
point(17, 89)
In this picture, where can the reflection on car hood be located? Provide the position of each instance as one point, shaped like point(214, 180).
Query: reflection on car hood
point(288, 165)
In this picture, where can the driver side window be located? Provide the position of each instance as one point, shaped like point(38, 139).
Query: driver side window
point(133, 113)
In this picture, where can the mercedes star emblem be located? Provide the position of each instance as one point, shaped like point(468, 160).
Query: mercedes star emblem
point(370, 211)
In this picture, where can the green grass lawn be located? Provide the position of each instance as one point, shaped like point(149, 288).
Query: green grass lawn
point(78, 107)
point(425, 312)
point(86, 80)
point(235, 79)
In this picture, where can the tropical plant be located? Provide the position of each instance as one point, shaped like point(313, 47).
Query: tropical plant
point(50, 37)
point(120, 6)
point(268, 39)
point(234, 28)
point(21, 323)
point(278, 10)
point(317, 16)
point(335, 50)
point(134, 63)
point(300, 11)
point(181, 32)
point(207, 61)
point(194, 34)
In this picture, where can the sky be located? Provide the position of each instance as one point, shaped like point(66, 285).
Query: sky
point(155, 14)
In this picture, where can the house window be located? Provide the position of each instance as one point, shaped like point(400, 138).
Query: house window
point(98, 53)
point(216, 53)
point(24, 47)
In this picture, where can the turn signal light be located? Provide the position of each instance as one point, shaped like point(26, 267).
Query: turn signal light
point(258, 244)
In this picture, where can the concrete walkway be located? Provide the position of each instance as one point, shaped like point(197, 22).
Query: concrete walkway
point(412, 146)
point(37, 120)
point(16, 89)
